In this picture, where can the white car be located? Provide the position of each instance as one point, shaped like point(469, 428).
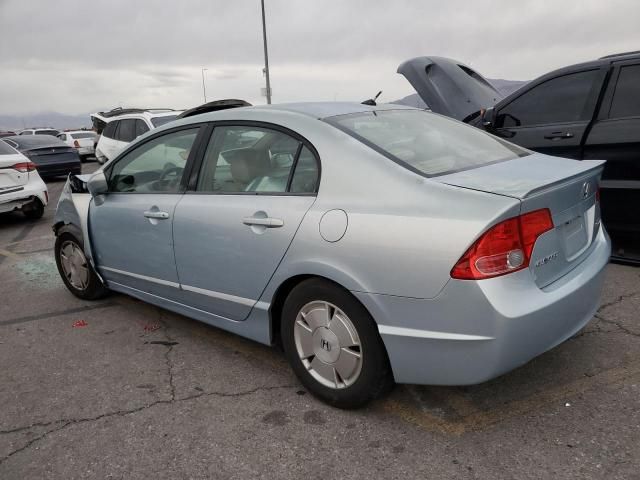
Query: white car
point(21, 188)
point(82, 140)
point(121, 126)
point(40, 131)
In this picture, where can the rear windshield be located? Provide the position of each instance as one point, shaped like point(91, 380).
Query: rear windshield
point(427, 143)
point(37, 141)
point(159, 121)
point(83, 135)
point(5, 149)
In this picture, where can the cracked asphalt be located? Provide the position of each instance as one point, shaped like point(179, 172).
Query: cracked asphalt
point(121, 389)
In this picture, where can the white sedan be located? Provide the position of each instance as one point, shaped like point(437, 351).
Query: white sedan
point(21, 188)
point(82, 140)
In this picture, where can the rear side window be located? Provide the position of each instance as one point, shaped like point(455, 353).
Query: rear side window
point(257, 160)
point(559, 100)
point(63, 137)
point(47, 132)
point(626, 99)
point(126, 130)
point(426, 143)
point(110, 130)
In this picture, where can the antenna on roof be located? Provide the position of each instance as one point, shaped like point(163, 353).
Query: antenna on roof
point(372, 101)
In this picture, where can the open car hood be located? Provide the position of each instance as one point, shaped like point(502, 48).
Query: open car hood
point(449, 87)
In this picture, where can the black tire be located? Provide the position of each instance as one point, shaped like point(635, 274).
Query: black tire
point(94, 289)
point(33, 210)
point(375, 377)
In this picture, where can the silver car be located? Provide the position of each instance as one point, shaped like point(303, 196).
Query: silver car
point(375, 243)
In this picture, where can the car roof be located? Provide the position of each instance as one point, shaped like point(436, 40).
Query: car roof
point(319, 110)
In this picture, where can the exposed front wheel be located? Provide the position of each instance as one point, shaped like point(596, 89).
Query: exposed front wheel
point(76, 271)
point(333, 345)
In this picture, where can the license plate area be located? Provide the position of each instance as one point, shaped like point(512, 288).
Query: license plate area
point(575, 236)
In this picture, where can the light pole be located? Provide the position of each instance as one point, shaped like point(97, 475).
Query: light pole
point(204, 89)
point(266, 56)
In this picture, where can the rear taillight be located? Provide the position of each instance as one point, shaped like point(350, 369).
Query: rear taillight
point(24, 167)
point(76, 144)
point(504, 248)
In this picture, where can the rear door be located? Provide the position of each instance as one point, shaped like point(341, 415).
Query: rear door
point(553, 115)
point(615, 136)
point(254, 186)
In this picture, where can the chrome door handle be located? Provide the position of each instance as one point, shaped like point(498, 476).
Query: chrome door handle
point(263, 222)
point(156, 214)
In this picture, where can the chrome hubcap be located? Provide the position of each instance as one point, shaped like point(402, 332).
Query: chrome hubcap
point(74, 265)
point(328, 344)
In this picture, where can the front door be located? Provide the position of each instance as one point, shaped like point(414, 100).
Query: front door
point(253, 190)
point(551, 117)
point(131, 225)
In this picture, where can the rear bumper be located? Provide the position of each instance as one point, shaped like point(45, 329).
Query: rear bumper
point(58, 169)
point(86, 151)
point(34, 188)
point(477, 330)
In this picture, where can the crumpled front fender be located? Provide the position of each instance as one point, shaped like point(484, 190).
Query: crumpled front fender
point(73, 210)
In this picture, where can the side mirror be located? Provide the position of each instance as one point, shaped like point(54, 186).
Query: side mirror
point(97, 184)
point(489, 118)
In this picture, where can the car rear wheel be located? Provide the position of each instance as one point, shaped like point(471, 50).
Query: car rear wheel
point(33, 210)
point(333, 345)
point(76, 271)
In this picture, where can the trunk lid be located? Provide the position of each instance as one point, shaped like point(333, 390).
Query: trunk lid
point(449, 87)
point(56, 154)
point(566, 187)
point(11, 180)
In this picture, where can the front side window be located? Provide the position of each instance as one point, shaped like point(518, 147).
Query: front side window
point(428, 143)
point(559, 100)
point(155, 166)
point(626, 99)
point(259, 160)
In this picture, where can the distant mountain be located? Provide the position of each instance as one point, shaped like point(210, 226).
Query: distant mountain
point(46, 119)
point(505, 87)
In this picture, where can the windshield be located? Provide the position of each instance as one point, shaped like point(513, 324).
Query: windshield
point(427, 143)
point(159, 121)
point(83, 135)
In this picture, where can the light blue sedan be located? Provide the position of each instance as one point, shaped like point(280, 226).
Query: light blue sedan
point(375, 243)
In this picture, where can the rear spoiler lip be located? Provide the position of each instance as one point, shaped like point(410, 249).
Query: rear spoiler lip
point(597, 165)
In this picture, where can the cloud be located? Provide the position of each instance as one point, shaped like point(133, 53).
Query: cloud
point(76, 55)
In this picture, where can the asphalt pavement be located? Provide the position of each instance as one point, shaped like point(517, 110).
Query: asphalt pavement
point(120, 389)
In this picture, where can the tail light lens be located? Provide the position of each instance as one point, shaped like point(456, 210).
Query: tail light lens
point(24, 167)
point(76, 144)
point(504, 248)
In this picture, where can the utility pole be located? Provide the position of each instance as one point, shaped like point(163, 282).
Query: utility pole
point(204, 90)
point(266, 56)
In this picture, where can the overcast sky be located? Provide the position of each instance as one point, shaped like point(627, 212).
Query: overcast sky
point(76, 56)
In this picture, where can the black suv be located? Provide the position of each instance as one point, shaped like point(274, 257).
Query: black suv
point(585, 111)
